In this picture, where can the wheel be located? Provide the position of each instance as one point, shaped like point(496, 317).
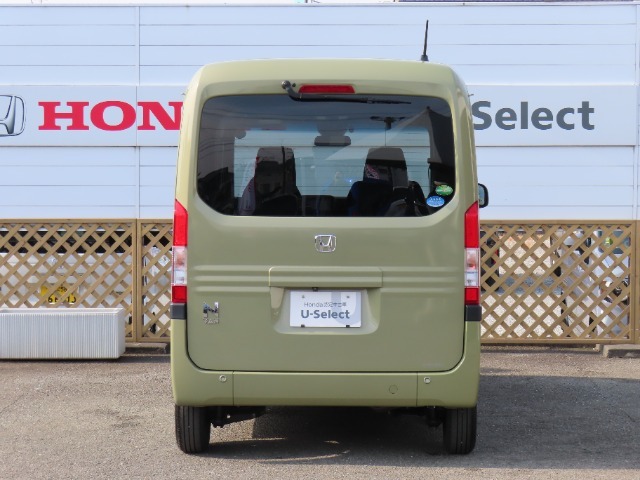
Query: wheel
point(459, 430)
point(193, 429)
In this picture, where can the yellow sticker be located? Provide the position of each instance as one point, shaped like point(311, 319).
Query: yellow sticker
point(55, 297)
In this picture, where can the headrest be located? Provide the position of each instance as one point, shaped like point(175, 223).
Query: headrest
point(386, 164)
point(274, 154)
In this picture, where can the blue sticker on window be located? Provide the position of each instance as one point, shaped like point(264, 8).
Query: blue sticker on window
point(435, 201)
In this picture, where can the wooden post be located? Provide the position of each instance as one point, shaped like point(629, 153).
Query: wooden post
point(136, 296)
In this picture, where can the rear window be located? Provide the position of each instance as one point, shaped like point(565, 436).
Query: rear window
point(270, 155)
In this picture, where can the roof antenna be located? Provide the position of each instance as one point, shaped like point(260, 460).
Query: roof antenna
point(424, 57)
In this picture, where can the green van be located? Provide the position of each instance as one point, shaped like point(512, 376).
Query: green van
point(326, 244)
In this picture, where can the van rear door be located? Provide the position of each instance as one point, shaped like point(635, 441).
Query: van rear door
point(328, 234)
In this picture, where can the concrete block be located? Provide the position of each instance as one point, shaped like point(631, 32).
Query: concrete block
point(621, 351)
point(145, 348)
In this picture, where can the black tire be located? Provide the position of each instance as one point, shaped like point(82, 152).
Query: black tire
point(193, 429)
point(459, 430)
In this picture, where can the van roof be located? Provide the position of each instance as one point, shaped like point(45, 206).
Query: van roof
point(368, 74)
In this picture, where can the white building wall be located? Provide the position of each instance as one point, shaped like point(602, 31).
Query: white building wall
point(551, 56)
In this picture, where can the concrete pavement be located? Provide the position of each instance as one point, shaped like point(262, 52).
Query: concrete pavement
point(543, 413)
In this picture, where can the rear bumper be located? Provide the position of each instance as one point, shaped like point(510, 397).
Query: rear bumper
point(454, 388)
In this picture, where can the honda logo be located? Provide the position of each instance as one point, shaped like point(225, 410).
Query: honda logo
point(12, 115)
point(325, 243)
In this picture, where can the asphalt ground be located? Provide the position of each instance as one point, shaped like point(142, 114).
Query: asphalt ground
point(544, 413)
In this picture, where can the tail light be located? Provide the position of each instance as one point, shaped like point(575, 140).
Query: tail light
point(472, 256)
point(179, 254)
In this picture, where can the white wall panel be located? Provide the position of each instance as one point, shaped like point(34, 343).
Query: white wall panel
point(158, 176)
point(521, 33)
point(533, 54)
point(525, 192)
point(64, 176)
point(167, 74)
point(67, 156)
point(163, 156)
point(177, 55)
point(582, 197)
point(54, 45)
point(480, 14)
point(410, 33)
point(68, 182)
point(531, 177)
point(248, 35)
point(552, 44)
point(100, 53)
point(557, 212)
point(69, 15)
point(68, 75)
point(68, 197)
point(452, 54)
point(157, 181)
point(557, 182)
point(75, 211)
point(551, 157)
point(592, 74)
point(161, 212)
point(77, 56)
point(67, 35)
point(157, 196)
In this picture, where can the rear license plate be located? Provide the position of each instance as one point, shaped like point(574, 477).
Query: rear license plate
point(328, 308)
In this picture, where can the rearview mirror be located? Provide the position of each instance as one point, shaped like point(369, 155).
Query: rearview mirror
point(332, 141)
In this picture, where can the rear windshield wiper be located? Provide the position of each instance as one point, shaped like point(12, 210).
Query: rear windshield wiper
point(318, 97)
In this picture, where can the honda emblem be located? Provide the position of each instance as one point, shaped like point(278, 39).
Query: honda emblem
point(326, 243)
point(12, 115)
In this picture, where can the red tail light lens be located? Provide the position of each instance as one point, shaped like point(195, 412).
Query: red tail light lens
point(472, 256)
point(472, 227)
point(180, 221)
point(179, 254)
point(327, 89)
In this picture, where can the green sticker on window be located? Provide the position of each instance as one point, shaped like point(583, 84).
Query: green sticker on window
point(444, 190)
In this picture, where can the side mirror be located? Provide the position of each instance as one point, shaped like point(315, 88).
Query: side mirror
point(483, 196)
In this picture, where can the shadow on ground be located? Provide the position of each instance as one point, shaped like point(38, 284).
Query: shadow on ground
point(524, 422)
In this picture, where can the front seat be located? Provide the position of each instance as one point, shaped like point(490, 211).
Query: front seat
point(272, 191)
point(385, 172)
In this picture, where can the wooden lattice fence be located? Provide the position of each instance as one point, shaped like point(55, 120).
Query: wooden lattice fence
point(75, 263)
point(155, 280)
point(563, 283)
point(542, 283)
